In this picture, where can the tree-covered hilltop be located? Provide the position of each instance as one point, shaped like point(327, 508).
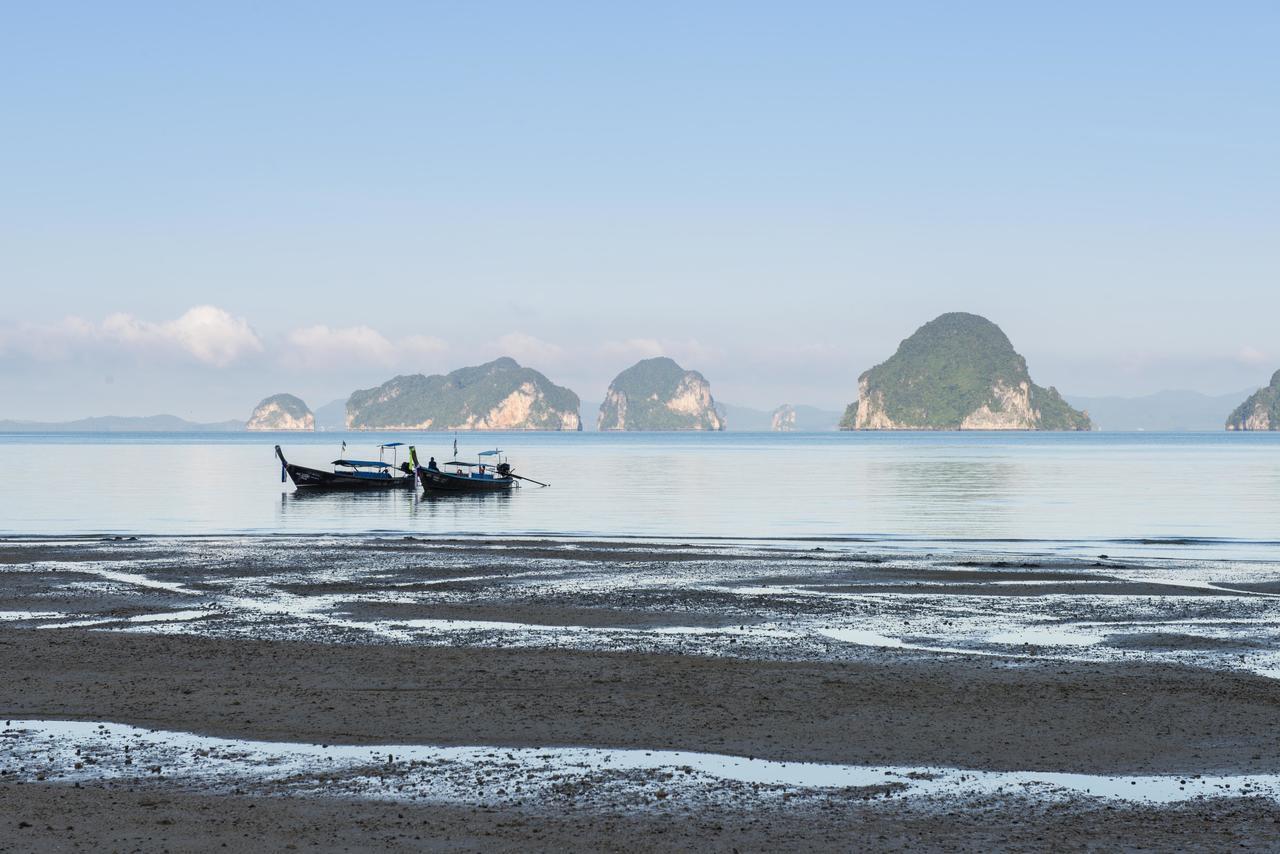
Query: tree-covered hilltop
point(658, 394)
point(1261, 411)
point(281, 412)
point(499, 395)
point(957, 372)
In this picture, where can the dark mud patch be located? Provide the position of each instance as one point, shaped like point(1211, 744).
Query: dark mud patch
point(81, 553)
point(50, 817)
point(1114, 588)
point(1256, 587)
point(573, 551)
point(1173, 641)
point(880, 574)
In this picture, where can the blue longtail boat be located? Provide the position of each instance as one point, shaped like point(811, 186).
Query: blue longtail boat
point(491, 473)
point(351, 474)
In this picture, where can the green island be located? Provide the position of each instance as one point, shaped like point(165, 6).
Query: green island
point(1261, 411)
point(957, 372)
point(498, 395)
point(658, 394)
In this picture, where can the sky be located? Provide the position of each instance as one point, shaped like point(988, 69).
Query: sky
point(204, 204)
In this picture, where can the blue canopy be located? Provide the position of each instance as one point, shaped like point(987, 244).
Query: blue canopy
point(356, 464)
point(489, 453)
point(392, 445)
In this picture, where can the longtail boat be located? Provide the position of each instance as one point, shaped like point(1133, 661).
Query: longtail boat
point(490, 473)
point(351, 474)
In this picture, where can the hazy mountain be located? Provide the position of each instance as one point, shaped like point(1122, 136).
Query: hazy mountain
point(1163, 411)
point(957, 372)
point(332, 416)
point(808, 418)
point(121, 424)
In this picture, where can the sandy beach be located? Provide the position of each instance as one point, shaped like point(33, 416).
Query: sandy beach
point(950, 693)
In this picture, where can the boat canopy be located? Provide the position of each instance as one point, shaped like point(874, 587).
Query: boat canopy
point(460, 463)
point(392, 445)
point(494, 452)
point(357, 464)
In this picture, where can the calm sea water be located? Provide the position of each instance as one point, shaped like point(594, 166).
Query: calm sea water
point(1215, 493)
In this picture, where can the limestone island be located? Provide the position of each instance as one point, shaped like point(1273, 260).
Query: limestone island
point(783, 419)
point(658, 394)
point(281, 412)
point(498, 395)
point(958, 372)
point(1261, 411)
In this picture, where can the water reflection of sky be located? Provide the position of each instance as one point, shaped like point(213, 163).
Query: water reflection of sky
point(922, 486)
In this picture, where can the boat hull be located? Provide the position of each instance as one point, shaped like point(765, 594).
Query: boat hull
point(433, 480)
point(306, 478)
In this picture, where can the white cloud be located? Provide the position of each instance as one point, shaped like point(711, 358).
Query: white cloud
point(529, 350)
point(691, 353)
point(422, 346)
point(632, 348)
point(212, 335)
point(205, 333)
point(1252, 356)
point(322, 346)
point(326, 347)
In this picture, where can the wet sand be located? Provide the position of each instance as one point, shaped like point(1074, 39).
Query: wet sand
point(985, 714)
point(1133, 669)
point(47, 818)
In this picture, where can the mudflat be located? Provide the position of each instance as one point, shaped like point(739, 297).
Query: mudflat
point(58, 818)
point(984, 714)
point(775, 654)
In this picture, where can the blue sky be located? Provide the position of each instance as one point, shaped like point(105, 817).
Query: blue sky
point(205, 205)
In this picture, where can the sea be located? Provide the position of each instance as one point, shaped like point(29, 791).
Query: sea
point(1211, 494)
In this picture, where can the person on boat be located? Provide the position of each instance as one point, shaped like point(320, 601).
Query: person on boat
point(431, 465)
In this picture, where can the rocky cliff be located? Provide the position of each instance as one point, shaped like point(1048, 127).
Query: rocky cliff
point(957, 372)
point(784, 419)
point(499, 395)
point(658, 394)
point(281, 412)
point(1261, 411)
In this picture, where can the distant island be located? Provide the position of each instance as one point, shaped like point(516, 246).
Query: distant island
point(1261, 411)
point(658, 394)
point(957, 372)
point(121, 424)
point(808, 419)
point(281, 412)
point(498, 395)
point(1171, 411)
point(332, 416)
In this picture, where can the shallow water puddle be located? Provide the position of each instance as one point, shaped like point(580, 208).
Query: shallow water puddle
point(1043, 637)
point(136, 579)
point(86, 752)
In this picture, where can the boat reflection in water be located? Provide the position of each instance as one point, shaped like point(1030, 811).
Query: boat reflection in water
point(393, 509)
